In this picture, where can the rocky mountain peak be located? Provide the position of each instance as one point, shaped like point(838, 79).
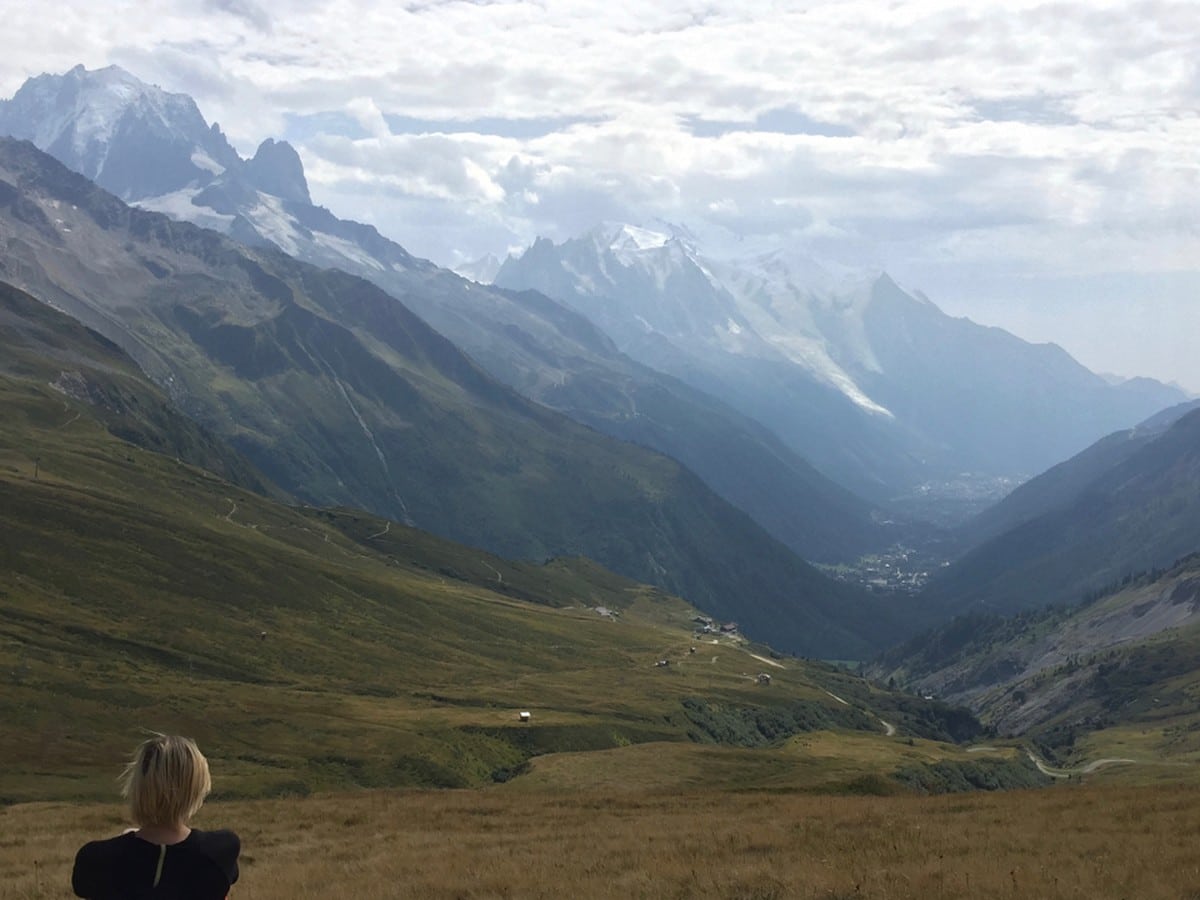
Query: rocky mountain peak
point(276, 169)
point(132, 138)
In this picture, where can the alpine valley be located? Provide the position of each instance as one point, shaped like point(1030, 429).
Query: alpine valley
point(145, 576)
point(872, 383)
point(339, 394)
point(256, 453)
point(916, 412)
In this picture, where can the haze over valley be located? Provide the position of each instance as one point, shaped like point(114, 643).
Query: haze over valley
point(677, 469)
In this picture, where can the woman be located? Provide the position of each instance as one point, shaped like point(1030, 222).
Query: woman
point(166, 784)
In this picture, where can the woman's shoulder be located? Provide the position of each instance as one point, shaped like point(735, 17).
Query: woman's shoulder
point(221, 844)
point(107, 847)
point(220, 847)
point(96, 859)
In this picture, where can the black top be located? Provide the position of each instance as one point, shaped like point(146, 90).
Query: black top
point(200, 867)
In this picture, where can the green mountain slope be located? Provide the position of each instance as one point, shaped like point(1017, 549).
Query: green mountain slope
point(555, 356)
point(1140, 510)
point(92, 370)
point(527, 341)
point(310, 649)
point(1063, 484)
point(342, 396)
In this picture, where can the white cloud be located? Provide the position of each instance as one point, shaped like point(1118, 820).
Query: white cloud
point(368, 115)
point(1036, 138)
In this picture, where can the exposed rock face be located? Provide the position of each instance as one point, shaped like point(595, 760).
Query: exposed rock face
point(276, 169)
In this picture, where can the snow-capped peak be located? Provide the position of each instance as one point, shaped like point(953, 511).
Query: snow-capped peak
point(773, 303)
point(795, 269)
point(623, 238)
point(632, 237)
point(83, 117)
point(86, 105)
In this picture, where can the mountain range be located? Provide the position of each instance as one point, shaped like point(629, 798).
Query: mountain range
point(743, 369)
point(1076, 619)
point(318, 649)
point(139, 142)
point(1065, 483)
point(531, 343)
point(800, 362)
point(870, 382)
point(224, 401)
point(340, 395)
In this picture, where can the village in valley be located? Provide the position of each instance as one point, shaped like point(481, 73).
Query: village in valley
point(900, 569)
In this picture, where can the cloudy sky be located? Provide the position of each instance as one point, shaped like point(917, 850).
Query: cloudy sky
point(1030, 164)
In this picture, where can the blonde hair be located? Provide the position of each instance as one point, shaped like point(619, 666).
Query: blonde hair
point(166, 781)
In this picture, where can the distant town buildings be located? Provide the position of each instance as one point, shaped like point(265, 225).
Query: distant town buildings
point(897, 570)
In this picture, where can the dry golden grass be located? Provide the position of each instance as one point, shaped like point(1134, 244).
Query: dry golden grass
point(1087, 841)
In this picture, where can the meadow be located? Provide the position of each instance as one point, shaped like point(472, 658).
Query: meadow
point(315, 650)
point(1071, 841)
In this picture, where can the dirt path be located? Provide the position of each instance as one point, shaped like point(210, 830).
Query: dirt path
point(889, 729)
point(1108, 761)
point(769, 662)
point(387, 526)
point(1088, 769)
point(233, 508)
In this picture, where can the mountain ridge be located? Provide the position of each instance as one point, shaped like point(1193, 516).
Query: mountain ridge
point(1129, 503)
point(549, 354)
point(346, 396)
point(870, 382)
point(1063, 483)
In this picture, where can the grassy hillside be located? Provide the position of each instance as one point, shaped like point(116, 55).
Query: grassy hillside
point(1117, 677)
point(342, 396)
point(82, 366)
point(309, 649)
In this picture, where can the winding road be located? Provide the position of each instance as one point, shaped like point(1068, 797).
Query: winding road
point(1088, 769)
point(769, 662)
point(889, 729)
